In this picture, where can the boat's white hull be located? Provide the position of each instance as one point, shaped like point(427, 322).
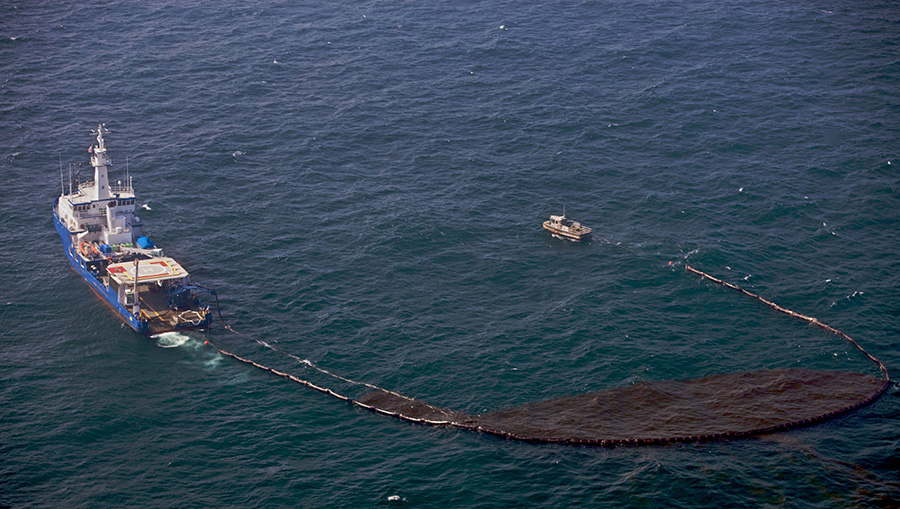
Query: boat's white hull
point(568, 234)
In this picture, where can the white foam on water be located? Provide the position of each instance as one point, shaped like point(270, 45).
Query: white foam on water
point(214, 361)
point(174, 340)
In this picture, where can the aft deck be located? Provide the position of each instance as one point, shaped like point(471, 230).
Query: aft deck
point(160, 318)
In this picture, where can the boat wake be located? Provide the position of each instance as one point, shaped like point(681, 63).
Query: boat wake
point(176, 339)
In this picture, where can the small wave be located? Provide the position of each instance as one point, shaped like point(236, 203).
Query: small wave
point(214, 362)
point(690, 253)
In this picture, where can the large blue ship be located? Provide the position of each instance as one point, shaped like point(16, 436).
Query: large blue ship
point(104, 241)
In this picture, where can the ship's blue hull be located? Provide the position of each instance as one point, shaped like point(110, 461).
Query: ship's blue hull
point(105, 293)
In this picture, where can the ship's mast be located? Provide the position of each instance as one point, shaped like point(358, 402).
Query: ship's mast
point(100, 160)
point(136, 305)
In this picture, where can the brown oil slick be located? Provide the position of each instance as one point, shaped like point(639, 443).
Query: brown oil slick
point(717, 406)
point(720, 406)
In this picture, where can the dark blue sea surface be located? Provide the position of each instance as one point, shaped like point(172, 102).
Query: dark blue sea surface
point(363, 183)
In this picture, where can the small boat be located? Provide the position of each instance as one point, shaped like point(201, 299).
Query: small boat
point(104, 242)
point(566, 228)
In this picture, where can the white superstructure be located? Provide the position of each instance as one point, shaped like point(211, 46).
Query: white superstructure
point(97, 212)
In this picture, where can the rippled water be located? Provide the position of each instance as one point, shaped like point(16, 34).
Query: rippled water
point(363, 184)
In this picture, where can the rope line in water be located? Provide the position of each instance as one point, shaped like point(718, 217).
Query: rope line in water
point(814, 321)
point(306, 362)
point(616, 244)
point(474, 426)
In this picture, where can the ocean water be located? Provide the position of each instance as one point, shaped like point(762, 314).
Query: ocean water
point(363, 184)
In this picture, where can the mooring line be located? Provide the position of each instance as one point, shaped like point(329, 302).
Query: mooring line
point(473, 426)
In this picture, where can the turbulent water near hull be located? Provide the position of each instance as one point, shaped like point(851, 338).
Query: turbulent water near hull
point(363, 184)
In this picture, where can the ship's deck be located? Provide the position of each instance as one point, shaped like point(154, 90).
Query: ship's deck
point(160, 318)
